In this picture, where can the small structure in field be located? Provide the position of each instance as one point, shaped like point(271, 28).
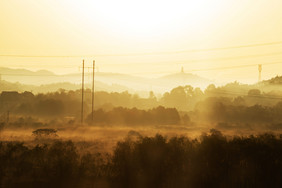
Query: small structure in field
point(45, 133)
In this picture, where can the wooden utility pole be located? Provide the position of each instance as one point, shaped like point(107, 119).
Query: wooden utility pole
point(93, 90)
point(82, 93)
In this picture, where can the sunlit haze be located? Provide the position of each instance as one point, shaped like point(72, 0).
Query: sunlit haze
point(140, 93)
point(144, 38)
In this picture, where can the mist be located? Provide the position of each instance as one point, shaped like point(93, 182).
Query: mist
point(140, 94)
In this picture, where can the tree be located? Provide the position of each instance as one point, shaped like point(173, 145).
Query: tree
point(45, 133)
point(254, 92)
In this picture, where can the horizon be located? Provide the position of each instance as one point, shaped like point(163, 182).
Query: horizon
point(163, 74)
point(180, 78)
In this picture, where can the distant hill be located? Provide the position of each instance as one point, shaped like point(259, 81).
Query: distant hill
point(99, 86)
point(29, 77)
point(116, 78)
point(16, 72)
point(47, 80)
point(46, 77)
point(182, 78)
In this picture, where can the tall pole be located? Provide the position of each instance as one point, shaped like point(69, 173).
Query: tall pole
point(82, 92)
point(93, 90)
point(8, 116)
point(259, 69)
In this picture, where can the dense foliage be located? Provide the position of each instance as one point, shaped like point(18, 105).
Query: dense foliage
point(125, 116)
point(183, 98)
point(232, 105)
point(210, 161)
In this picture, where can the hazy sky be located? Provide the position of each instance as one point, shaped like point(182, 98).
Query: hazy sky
point(125, 27)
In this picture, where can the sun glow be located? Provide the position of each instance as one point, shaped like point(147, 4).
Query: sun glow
point(103, 27)
point(149, 18)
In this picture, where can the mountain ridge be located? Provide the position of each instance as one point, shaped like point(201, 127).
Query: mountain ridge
point(137, 83)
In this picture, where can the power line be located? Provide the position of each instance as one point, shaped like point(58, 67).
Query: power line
point(189, 61)
point(233, 58)
point(232, 67)
point(215, 68)
point(143, 54)
point(201, 60)
point(185, 61)
point(156, 72)
point(54, 75)
point(46, 56)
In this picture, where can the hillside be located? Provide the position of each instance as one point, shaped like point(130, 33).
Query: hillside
point(99, 86)
point(183, 78)
point(105, 81)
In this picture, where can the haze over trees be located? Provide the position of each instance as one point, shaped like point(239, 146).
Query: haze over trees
point(229, 106)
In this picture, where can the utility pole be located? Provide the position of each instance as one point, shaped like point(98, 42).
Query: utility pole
point(259, 69)
point(93, 90)
point(82, 92)
point(8, 117)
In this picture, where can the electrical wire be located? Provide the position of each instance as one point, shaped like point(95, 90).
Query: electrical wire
point(144, 54)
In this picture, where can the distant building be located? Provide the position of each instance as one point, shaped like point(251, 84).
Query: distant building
point(182, 70)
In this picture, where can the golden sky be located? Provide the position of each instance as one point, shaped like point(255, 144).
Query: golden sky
point(136, 31)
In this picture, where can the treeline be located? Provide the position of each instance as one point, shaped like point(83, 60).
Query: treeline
point(63, 103)
point(116, 117)
point(134, 116)
point(209, 161)
point(227, 110)
point(232, 103)
point(183, 98)
point(221, 112)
